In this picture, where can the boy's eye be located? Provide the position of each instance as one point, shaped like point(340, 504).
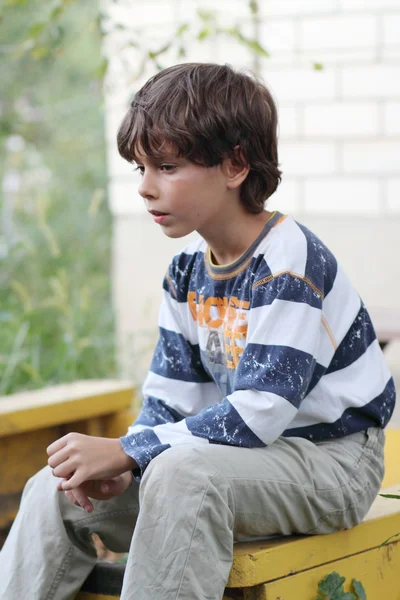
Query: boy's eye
point(167, 167)
point(140, 169)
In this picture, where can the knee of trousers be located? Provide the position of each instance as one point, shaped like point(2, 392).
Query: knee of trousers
point(181, 469)
point(41, 489)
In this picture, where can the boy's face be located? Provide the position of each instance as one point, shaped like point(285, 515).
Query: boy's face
point(183, 197)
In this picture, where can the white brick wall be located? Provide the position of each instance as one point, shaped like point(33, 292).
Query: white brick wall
point(335, 32)
point(380, 157)
point(371, 81)
point(341, 119)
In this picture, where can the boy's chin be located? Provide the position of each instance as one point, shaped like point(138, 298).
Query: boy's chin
point(176, 233)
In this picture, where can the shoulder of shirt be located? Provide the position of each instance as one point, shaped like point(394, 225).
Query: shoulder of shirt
point(289, 236)
point(183, 262)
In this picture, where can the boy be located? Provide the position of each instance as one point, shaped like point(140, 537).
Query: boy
point(267, 395)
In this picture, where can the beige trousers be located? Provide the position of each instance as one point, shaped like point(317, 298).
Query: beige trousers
point(194, 501)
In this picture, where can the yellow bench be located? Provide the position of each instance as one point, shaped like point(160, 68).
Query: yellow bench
point(278, 569)
point(30, 421)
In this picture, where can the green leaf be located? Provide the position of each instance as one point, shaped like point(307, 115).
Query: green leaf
point(206, 15)
point(359, 589)
point(36, 29)
point(388, 540)
point(253, 5)
point(318, 67)
point(181, 29)
point(56, 12)
point(252, 44)
point(390, 496)
point(204, 33)
point(256, 47)
point(331, 584)
point(102, 68)
point(155, 53)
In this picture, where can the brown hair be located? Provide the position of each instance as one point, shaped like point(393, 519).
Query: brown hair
point(205, 111)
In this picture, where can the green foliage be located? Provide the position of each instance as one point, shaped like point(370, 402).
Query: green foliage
point(45, 34)
point(390, 496)
point(396, 497)
point(55, 227)
point(331, 588)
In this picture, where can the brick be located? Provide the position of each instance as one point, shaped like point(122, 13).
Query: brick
point(307, 158)
point(289, 124)
point(228, 12)
point(371, 81)
point(113, 119)
point(391, 29)
point(345, 119)
point(271, 8)
point(340, 56)
point(230, 51)
point(124, 198)
point(277, 36)
point(390, 54)
point(380, 156)
point(393, 200)
point(286, 198)
point(345, 196)
point(143, 14)
point(339, 32)
point(392, 118)
point(366, 5)
point(117, 166)
point(300, 84)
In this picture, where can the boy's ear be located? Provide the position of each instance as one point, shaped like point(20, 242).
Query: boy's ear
point(236, 168)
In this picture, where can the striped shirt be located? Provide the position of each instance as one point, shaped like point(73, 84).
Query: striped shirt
point(277, 343)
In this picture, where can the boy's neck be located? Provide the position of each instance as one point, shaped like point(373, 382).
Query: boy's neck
point(230, 239)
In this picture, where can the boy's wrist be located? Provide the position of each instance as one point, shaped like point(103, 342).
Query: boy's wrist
point(127, 462)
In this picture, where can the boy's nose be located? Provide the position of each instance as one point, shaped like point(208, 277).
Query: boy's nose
point(147, 189)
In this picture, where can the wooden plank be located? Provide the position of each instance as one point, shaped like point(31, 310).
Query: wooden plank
point(118, 423)
point(65, 403)
point(377, 569)
point(392, 454)
point(258, 562)
point(89, 596)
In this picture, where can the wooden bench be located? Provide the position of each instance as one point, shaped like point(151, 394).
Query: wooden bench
point(30, 421)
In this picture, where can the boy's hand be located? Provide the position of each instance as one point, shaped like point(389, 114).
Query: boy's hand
point(78, 458)
point(100, 490)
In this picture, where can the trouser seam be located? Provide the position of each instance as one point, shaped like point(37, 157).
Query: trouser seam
point(104, 516)
point(340, 511)
point(192, 537)
point(59, 574)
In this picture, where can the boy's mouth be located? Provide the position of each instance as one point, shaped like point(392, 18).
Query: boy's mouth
point(157, 213)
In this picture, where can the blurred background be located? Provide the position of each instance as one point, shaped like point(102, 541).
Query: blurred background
point(81, 261)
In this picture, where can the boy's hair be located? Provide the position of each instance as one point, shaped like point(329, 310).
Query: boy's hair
point(206, 111)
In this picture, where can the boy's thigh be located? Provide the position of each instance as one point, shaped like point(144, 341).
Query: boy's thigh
point(296, 486)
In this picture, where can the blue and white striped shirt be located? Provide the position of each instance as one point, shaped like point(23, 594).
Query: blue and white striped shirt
point(276, 343)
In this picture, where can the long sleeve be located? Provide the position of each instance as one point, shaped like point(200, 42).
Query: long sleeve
point(276, 369)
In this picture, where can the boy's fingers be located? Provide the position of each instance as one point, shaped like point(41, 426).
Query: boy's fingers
point(64, 471)
point(55, 446)
point(82, 499)
point(58, 457)
point(71, 498)
point(73, 482)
